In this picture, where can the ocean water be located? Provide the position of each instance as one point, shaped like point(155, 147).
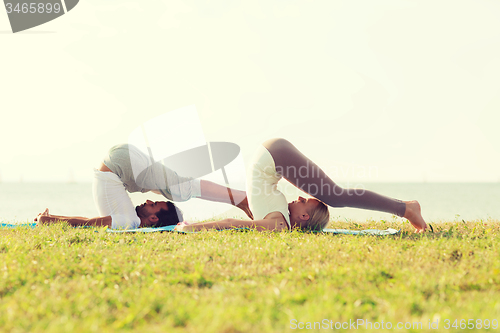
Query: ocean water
point(21, 202)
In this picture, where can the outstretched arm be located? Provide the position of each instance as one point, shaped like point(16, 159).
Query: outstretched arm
point(272, 222)
point(75, 221)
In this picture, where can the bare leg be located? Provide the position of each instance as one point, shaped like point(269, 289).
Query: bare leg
point(214, 192)
point(307, 176)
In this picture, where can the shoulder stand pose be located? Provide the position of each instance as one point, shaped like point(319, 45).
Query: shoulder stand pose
point(116, 176)
point(277, 159)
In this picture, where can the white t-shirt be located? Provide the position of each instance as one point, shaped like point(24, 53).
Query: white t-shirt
point(263, 194)
point(112, 199)
point(110, 188)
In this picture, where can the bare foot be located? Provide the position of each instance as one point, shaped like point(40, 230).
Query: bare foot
point(243, 205)
point(413, 215)
point(45, 213)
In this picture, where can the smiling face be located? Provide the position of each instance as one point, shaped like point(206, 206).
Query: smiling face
point(301, 210)
point(148, 210)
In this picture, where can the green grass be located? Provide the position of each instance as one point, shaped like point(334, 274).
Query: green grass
point(57, 278)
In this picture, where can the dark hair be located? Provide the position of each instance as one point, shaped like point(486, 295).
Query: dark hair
point(171, 216)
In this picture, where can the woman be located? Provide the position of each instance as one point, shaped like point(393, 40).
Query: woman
point(278, 158)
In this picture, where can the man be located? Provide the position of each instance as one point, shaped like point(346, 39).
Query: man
point(151, 214)
point(127, 169)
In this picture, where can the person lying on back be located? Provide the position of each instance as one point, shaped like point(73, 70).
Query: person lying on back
point(127, 169)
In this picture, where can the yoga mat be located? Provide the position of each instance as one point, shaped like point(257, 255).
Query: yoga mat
point(10, 226)
point(167, 228)
point(375, 232)
point(362, 232)
point(33, 225)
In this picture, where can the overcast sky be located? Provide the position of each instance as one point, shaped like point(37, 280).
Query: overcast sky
point(408, 90)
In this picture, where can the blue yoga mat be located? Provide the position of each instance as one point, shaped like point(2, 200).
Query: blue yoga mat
point(171, 228)
point(362, 232)
point(10, 226)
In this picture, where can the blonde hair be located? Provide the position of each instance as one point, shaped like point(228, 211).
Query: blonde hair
point(319, 217)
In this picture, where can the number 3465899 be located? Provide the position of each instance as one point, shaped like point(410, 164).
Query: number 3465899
point(33, 8)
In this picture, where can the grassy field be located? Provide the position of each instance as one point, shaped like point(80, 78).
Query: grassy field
point(60, 279)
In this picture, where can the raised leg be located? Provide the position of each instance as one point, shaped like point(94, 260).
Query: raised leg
point(307, 176)
point(214, 192)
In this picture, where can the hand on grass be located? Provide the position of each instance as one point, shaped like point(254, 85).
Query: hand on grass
point(182, 226)
point(45, 213)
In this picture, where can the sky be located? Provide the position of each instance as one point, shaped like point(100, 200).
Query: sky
point(385, 91)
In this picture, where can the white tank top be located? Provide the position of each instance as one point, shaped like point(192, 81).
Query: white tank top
point(263, 194)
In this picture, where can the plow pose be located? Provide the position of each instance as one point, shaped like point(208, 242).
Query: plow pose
point(278, 158)
point(127, 169)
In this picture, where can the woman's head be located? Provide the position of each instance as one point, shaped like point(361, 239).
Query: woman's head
point(319, 217)
point(308, 214)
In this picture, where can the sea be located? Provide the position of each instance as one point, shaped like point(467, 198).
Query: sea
point(440, 202)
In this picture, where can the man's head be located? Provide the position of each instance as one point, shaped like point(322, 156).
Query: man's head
point(308, 214)
point(158, 214)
